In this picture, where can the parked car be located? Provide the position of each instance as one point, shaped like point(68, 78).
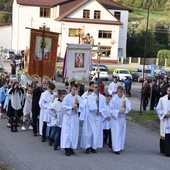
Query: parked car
point(157, 70)
point(60, 72)
point(18, 56)
point(121, 74)
point(138, 75)
point(101, 65)
point(103, 73)
point(167, 73)
point(2, 69)
point(8, 54)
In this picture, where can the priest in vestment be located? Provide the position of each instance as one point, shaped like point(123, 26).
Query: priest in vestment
point(92, 132)
point(119, 107)
point(72, 104)
point(163, 111)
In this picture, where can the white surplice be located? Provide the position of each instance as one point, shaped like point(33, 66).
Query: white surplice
point(55, 109)
point(70, 125)
point(112, 89)
point(106, 123)
point(92, 132)
point(45, 100)
point(162, 108)
point(28, 105)
point(118, 122)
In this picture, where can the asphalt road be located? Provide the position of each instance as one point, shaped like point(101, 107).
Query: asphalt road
point(22, 151)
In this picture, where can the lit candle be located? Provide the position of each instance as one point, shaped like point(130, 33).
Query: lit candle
point(123, 103)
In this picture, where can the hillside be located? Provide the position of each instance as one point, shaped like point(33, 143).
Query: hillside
point(5, 11)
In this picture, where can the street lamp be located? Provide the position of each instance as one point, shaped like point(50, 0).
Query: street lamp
point(149, 3)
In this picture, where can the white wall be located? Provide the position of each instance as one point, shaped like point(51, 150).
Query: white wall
point(92, 6)
point(6, 36)
point(123, 30)
point(93, 29)
point(28, 16)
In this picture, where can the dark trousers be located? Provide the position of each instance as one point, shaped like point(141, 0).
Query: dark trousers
point(144, 101)
point(35, 122)
point(44, 130)
point(107, 137)
point(165, 145)
point(14, 123)
point(55, 134)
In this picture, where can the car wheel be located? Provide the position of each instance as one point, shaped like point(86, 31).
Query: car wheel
point(106, 79)
point(118, 78)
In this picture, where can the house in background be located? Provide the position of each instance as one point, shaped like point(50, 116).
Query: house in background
point(6, 35)
point(78, 21)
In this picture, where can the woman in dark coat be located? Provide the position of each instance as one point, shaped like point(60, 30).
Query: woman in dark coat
point(16, 102)
point(13, 67)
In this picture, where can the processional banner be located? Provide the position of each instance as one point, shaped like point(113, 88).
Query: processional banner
point(77, 62)
point(43, 53)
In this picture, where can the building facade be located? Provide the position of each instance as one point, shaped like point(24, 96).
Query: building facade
point(77, 21)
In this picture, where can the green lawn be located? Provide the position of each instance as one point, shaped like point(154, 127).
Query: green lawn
point(144, 116)
point(138, 15)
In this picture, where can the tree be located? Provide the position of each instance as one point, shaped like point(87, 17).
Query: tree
point(161, 34)
point(2, 18)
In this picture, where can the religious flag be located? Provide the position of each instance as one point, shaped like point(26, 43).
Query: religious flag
point(77, 62)
point(43, 53)
point(152, 69)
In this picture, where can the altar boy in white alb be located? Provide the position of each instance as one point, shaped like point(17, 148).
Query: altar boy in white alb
point(72, 104)
point(92, 132)
point(119, 107)
point(163, 111)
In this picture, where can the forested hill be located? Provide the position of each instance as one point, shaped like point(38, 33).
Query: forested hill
point(5, 11)
point(157, 5)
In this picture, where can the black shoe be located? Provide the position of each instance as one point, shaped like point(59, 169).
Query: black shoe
point(88, 150)
point(93, 150)
point(12, 130)
point(55, 147)
point(34, 134)
point(16, 130)
point(43, 140)
point(117, 153)
point(50, 142)
point(72, 152)
point(67, 152)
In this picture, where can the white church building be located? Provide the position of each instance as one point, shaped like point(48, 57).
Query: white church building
point(104, 21)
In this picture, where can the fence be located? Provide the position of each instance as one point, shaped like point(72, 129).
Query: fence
point(139, 60)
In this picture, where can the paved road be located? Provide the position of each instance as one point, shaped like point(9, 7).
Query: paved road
point(22, 151)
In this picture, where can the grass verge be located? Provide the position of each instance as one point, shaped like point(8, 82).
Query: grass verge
point(144, 116)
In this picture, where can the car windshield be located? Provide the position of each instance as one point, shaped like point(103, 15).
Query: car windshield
point(103, 69)
point(124, 72)
point(146, 71)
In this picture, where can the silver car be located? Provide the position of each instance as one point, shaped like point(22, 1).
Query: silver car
point(8, 54)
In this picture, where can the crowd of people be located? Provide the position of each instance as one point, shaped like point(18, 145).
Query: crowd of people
point(55, 114)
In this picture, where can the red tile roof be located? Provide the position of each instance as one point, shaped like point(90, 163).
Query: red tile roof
point(48, 3)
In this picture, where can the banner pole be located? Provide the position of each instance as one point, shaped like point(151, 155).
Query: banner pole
point(98, 75)
point(43, 46)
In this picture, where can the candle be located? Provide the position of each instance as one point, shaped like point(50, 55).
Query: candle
point(123, 103)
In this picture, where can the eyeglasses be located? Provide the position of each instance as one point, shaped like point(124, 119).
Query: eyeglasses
point(95, 87)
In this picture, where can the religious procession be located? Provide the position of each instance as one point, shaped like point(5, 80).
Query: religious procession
point(55, 114)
